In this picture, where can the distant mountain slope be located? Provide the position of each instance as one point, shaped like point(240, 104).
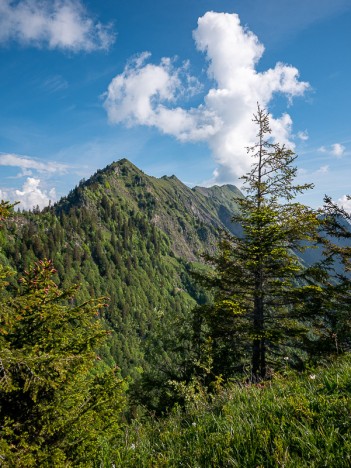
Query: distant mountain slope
point(190, 217)
point(130, 237)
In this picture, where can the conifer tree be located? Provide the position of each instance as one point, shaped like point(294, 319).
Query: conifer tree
point(58, 402)
point(6, 209)
point(334, 304)
point(258, 282)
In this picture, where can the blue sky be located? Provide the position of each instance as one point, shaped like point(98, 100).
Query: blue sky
point(171, 85)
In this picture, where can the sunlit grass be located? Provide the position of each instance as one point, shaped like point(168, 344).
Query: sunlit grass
point(292, 421)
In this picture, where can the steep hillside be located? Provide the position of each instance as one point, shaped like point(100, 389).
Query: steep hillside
point(190, 218)
point(130, 237)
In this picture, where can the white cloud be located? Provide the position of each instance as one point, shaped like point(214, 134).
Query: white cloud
point(26, 164)
point(56, 24)
point(337, 150)
point(146, 94)
point(323, 169)
point(345, 202)
point(30, 196)
point(303, 135)
point(139, 96)
point(32, 193)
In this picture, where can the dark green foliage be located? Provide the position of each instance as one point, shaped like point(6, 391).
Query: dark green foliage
point(6, 209)
point(334, 305)
point(259, 283)
point(57, 400)
point(120, 234)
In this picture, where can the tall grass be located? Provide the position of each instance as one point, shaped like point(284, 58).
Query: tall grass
point(292, 421)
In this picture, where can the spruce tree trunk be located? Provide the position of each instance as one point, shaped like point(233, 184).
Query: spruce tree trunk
point(255, 360)
point(263, 366)
point(258, 345)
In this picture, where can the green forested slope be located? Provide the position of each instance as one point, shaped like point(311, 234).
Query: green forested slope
point(133, 239)
point(130, 237)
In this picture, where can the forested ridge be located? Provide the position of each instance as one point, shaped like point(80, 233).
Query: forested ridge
point(145, 323)
point(130, 237)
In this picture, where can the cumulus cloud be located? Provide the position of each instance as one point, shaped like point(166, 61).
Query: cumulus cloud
point(147, 94)
point(337, 150)
point(345, 203)
point(139, 96)
point(56, 24)
point(31, 195)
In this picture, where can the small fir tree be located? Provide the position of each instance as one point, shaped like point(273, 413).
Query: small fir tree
point(58, 402)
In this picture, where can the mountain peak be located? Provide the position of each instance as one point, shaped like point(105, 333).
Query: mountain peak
point(125, 162)
point(189, 217)
point(172, 177)
point(120, 164)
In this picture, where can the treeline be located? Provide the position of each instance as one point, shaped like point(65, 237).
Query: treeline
point(112, 250)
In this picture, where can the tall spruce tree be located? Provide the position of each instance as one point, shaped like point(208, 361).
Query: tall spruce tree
point(259, 283)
